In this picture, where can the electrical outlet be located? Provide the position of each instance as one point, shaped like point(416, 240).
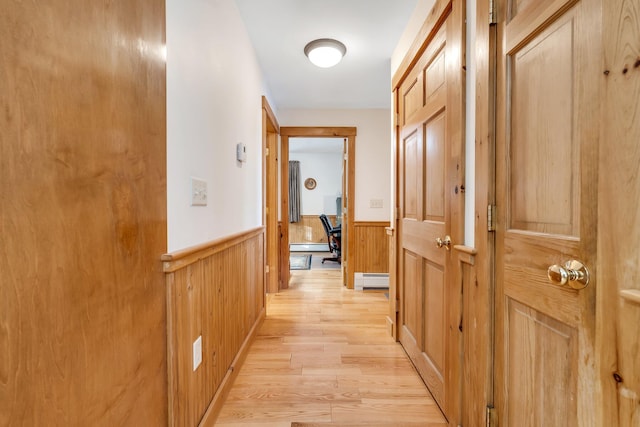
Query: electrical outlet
point(198, 192)
point(375, 203)
point(197, 352)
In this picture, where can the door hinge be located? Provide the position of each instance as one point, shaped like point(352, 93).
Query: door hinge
point(491, 416)
point(266, 151)
point(491, 218)
point(493, 18)
point(266, 269)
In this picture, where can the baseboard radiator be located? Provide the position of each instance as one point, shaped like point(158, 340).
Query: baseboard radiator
point(370, 281)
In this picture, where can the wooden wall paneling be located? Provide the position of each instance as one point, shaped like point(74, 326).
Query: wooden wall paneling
point(473, 341)
point(82, 213)
point(618, 271)
point(211, 327)
point(216, 291)
point(309, 229)
point(371, 247)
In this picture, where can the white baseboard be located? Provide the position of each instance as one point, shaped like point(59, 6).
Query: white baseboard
point(364, 281)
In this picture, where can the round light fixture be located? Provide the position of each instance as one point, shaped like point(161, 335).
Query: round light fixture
point(325, 53)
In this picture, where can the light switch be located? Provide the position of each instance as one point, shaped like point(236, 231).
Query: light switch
point(198, 192)
point(197, 352)
point(375, 203)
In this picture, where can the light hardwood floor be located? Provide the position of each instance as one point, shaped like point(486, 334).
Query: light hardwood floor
point(323, 357)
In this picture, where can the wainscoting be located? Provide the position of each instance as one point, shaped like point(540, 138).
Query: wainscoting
point(370, 247)
point(309, 229)
point(217, 291)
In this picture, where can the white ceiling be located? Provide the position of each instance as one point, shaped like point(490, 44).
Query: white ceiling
point(370, 29)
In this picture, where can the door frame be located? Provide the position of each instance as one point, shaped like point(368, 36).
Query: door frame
point(270, 133)
point(349, 133)
point(480, 369)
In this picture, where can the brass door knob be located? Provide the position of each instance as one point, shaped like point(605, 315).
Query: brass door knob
point(573, 273)
point(446, 242)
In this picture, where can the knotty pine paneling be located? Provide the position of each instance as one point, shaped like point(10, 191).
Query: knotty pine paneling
point(371, 247)
point(309, 229)
point(216, 291)
point(474, 358)
point(82, 213)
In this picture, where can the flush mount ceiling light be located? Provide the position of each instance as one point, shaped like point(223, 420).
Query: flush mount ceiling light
point(325, 53)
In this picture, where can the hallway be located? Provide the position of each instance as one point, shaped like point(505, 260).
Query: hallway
point(323, 357)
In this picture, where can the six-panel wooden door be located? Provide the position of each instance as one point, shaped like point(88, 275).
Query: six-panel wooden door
point(429, 175)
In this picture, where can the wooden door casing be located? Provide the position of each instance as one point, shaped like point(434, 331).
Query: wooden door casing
point(270, 131)
point(546, 169)
point(430, 175)
point(349, 133)
point(618, 302)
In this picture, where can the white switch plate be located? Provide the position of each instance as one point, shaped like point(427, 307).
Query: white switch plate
point(198, 192)
point(375, 203)
point(197, 352)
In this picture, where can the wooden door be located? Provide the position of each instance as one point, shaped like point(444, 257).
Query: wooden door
point(546, 169)
point(429, 173)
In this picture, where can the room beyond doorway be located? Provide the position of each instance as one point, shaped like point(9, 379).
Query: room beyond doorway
point(315, 188)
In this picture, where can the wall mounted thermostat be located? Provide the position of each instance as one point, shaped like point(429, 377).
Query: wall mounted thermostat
point(241, 152)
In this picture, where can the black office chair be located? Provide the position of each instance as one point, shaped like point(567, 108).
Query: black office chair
point(334, 239)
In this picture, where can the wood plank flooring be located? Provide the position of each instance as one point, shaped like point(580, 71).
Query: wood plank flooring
point(323, 357)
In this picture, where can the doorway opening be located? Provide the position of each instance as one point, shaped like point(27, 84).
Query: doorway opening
point(336, 187)
point(315, 190)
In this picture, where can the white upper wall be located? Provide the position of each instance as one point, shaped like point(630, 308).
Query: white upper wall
point(214, 89)
point(419, 15)
point(326, 169)
point(372, 152)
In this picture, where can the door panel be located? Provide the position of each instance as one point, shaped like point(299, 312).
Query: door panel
point(544, 155)
point(434, 318)
point(413, 307)
point(412, 98)
point(435, 76)
point(546, 175)
point(435, 173)
point(410, 169)
point(535, 337)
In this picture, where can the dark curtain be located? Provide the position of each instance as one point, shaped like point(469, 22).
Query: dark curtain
point(294, 191)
